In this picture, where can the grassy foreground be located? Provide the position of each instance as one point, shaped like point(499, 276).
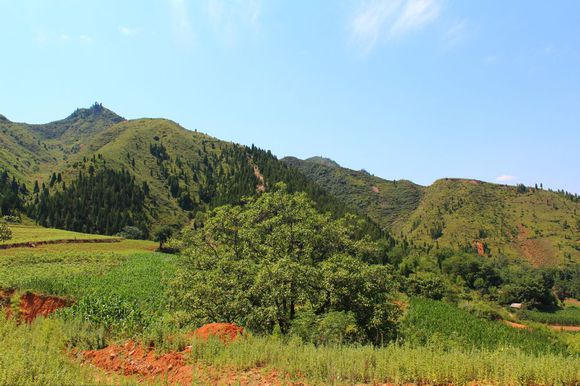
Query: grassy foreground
point(394, 363)
point(35, 354)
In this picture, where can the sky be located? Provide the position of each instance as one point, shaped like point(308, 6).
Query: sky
point(406, 89)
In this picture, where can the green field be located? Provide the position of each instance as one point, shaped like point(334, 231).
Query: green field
point(122, 294)
point(35, 234)
point(568, 316)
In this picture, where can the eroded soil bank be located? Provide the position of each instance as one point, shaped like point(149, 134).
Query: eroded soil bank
point(29, 305)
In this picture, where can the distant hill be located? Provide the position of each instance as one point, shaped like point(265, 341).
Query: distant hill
point(96, 172)
point(388, 203)
point(540, 226)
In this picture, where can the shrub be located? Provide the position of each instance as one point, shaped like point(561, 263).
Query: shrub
point(5, 232)
point(131, 232)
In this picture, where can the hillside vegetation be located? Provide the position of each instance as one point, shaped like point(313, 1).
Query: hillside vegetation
point(540, 226)
point(97, 172)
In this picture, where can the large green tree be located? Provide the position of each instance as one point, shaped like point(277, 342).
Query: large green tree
point(262, 263)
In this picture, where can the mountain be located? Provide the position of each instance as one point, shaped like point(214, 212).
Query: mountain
point(540, 226)
point(388, 203)
point(96, 172)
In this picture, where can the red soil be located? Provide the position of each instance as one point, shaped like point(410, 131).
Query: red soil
point(227, 332)
point(132, 359)
point(480, 248)
point(32, 305)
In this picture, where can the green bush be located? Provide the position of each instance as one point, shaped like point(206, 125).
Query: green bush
point(332, 328)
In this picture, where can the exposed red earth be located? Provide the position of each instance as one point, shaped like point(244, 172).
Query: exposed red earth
point(226, 332)
point(134, 359)
point(32, 305)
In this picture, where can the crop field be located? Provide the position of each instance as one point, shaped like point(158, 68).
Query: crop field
point(122, 292)
point(431, 322)
point(568, 316)
point(33, 234)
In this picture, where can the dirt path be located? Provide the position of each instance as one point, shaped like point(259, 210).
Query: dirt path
point(558, 327)
point(517, 325)
point(33, 244)
point(261, 187)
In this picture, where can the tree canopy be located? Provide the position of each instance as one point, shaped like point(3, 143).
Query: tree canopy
point(264, 263)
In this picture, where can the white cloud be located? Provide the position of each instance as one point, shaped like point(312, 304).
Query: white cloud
point(229, 18)
point(180, 21)
point(505, 178)
point(129, 31)
point(85, 39)
point(415, 15)
point(375, 19)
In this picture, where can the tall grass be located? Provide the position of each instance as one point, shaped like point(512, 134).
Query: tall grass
point(438, 323)
point(35, 355)
point(394, 363)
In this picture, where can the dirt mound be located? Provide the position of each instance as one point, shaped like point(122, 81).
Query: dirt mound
point(227, 332)
point(133, 359)
point(32, 305)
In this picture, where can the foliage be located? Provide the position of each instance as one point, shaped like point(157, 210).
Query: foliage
point(426, 284)
point(528, 286)
point(5, 232)
point(475, 272)
point(162, 235)
point(131, 232)
point(332, 328)
point(103, 202)
point(257, 264)
point(10, 195)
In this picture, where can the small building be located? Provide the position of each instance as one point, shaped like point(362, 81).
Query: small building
point(517, 306)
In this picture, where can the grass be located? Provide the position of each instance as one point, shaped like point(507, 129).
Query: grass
point(123, 247)
point(118, 285)
point(394, 363)
point(35, 355)
point(430, 322)
point(569, 316)
point(31, 233)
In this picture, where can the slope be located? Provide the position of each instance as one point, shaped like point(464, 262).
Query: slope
point(388, 203)
point(542, 227)
point(96, 172)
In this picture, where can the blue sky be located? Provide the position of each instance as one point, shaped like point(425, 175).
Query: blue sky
point(415, 89)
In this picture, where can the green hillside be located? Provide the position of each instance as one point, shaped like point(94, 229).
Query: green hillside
point(388, 203)
point(540, 226)
point(96, 172)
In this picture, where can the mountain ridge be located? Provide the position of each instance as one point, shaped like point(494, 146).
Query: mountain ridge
point(541, 226)
point(187, 171)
